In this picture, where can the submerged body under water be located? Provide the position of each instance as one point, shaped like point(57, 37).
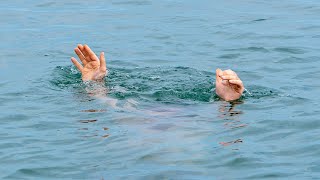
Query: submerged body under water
point(156, 115)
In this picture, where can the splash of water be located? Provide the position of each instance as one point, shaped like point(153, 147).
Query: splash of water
point(171, 85)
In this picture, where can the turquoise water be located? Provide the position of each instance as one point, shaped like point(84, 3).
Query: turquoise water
point(157, 116)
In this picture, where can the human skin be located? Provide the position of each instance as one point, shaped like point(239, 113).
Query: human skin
point(228, 85)
point(92, 67)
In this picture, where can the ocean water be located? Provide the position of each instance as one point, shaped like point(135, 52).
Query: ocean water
point(156, 115)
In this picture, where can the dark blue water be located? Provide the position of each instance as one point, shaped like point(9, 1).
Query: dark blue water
point(156, 115)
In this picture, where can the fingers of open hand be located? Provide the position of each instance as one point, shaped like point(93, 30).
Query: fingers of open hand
point(80, 55)
point(77, 64)
point(90, 53)
point(81, 48)
point(103, 65)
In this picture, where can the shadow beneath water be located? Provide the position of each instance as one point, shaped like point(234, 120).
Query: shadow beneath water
point(229, 113)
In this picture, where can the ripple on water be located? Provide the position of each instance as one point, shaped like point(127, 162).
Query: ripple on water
point(132, 3)
point(250, 49)
point(169, 85)
point(290, 50)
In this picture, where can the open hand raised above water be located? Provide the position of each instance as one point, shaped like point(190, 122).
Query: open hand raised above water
point(228, 85)
point(92, 67)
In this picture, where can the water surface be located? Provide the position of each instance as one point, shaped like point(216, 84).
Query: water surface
point(157, 116)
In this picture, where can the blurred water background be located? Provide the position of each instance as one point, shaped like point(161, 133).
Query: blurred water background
point(159, 117)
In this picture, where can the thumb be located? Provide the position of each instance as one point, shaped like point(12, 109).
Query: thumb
point(218, 74)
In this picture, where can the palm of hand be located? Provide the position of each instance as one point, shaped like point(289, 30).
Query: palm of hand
point(92, 71)
point(92, 68)
point(228, 85)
